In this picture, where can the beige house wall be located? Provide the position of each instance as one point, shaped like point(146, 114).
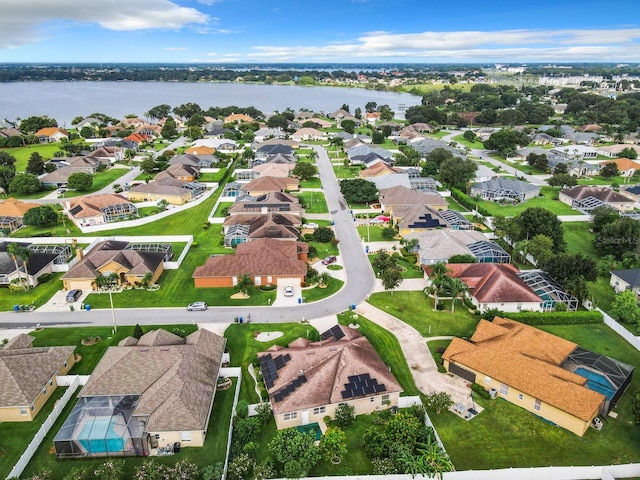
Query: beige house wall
point(362, 406)
point(12, 414)
point(79, 283)
point(509, 307)
point(526, 401)
point(169, 438)
point(149, 197)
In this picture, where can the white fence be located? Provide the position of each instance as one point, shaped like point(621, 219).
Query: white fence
point(405, 402)
point(237, 373)
point(73, 381)
point(620, 330)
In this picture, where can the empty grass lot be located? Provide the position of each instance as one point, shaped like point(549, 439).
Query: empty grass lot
point(313, 182)
point(408, 270)
point(100, 181)
point(513, 437)
point(313, 202)
point(416, 309)
point(22, 154)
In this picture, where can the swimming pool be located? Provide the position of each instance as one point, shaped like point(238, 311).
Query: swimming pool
point(597, 382)
point(313, 428)
point(98, 435)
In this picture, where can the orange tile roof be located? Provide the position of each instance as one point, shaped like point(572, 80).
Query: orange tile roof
point(624, 164)
point(15, 208)
point(48, 131)
point(529, 360)
point(201, 150)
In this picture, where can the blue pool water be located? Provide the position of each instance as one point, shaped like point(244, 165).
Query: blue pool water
point(99, 436)
point(312, 427)
point(597, 382)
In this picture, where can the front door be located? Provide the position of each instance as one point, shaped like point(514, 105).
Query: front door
point(305, 417)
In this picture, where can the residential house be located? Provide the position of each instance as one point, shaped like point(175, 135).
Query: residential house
point(366, 154)
point(266, 261)
point(245, 228)
point(200, 150)
point(89, 122)
point(238, 118)
point(586, 198)
point(28, 375)
point(427, 145)
point(264, 134)
point(483, 173)
point(273, 169)
point(171, 190)
point(152, 392)
point(393, 200)
point(631, 191)
point(274, 202)
point(341, 115)
point(484, 133)
point(496, 286)
point(319, 122)
point(107, 155)
point(578, 152)
point(499, 188)
point(578, 168)
point(437, 246)
point(99, 209)
point(267, 151)
point(39, 262)
point(422, 127)
point(615, 150)
point(224, 145)
point(134, 122)
point(10, 132)
point(264, 185)
point(138, 139)
point(185, 172)
point(307, 381)
point(384, 182)
point(378, 169)
point(546, 139)
point(198, 160)
point(628, 279)
point(626, 167)
point(372, 117)
point(52, 134)
point(420, 218)
point(128, 262)
point(582, 138)
point(151, 130)
point(11, 213)
point(537, 371)
point(308, 134)
point(60, 177)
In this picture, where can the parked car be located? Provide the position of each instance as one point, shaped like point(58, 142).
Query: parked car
point(310, 225)
point(288, 291)
point(376, 221)
point(73, 295)
point(329, 260)
point(197, 306)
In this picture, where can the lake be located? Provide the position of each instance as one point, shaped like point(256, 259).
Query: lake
point(66, 100)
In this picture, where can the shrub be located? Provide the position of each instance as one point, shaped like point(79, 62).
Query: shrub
point(557, 318)
point(44, 278)
point(242, 409)
point(481, 392)
point(345, 415)
point(468, 202)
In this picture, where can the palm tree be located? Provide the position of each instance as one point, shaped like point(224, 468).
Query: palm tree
point(324, 278)
point(438, 284)
point(18, 251)
point(244, 283)
point(457, 287)
point(313, 156)
point(521, 249)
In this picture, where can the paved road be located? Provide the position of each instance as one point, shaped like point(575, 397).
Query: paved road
point(359, 274)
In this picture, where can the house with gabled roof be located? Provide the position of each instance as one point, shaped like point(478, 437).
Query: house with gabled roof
point(52, 134)
point(273, 202)
point(275, 226)
point(200, 150)
point(198, 160)
point(60, 176)
point(615, 150)
point(238, 118)
point(185, 172)
point(98, 209)
point(551, 377)
point(12, 211)
point(28, 376)
point(40, 262)
point(499, 188)
point(265, 260)
point(263, 185)
point(392, 200)
point(307, 381)
point(628, 279)
point(172, 190)
point(274, 169)
point(107, 155)
point(145, 393)
point(586, 198)
point(626, 166)
point(111, 257)
point(307, 133)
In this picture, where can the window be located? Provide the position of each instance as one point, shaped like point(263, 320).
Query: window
point(65, 364)
point(269, 279)
point(44, 391)
point(51, 382)
point(536, 405)
point(258, 281)
point(23, 411)
point(32, 407)
point(290, 416)
point(319, 410)
point(385, 399)
point(185, 436)
point(487, 379)
point(520, 396)
point(519, 307)
point(504, 389)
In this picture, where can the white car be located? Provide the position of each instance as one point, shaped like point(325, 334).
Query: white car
point(310, 225)
point(376, 221)
point(197, 306)
point(288, 291)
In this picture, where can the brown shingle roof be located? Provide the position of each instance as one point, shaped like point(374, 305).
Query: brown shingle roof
point(604, 194)
point(326, 365)
point(493, 282)
point(176, 382)
point(268, 184)
point(528, 360)
point(271, 169)
point(256, 258)
point(405, 196)
point(25, 370)
point(91, 206)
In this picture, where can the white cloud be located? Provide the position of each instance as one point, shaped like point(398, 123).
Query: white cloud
point(175, 49)
point(505, 45)
point(20, 19)
point(209, 2)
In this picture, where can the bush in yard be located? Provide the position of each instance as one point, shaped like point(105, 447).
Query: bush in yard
point(242, 409)
point(345, 415)
point(40, 216)
point(481, 392)
point(439, 401)
point(384, 466)
point(323, 234)
point(25, 184)
point(490, 313)
point(263, 413)
point(333, 443)
point(245, 430)
point(264, 470)
point(79, 181)
point(389, 233)
point(240, 467)
point(212, 472)
point(556, 318)
point(289, 446)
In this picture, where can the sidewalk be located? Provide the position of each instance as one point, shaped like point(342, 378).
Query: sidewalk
point(414, 348)
point(408, 284)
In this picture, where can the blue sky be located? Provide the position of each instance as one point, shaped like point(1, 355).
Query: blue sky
point(251, 31)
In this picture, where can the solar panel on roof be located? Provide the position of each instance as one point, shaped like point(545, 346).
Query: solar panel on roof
point(277, 398)
point(287, 357)
point(279, 362)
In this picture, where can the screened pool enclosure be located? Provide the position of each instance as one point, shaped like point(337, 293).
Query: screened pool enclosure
point(102, 426)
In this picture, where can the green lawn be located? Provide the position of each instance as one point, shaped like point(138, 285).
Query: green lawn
point(346, 172)
point(313, 182)
point(408, 270)
point(454, 205)
point(243, 347)
point(100, 181)
point(317, 293)
point(475, 144)
point(222, 206)
point(437, 348)
point(513, 437)
point(579, 239)
point(37, 296)
point(372, 233)
point(548, 201)
point(313, 202)
point(22, 154)
point(597, 180)
point(213, 177)
point(325, 249)
point(415, 309)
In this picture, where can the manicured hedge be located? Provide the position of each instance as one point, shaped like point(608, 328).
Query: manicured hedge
point(557, 318)
point(467, 202)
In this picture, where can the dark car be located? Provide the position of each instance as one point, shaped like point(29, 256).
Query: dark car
point(73, 295)
point(329, 260)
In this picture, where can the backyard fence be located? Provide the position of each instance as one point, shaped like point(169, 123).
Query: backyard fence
point(237, 373)
point(73, 381)
point(620, 330)
point(405, 402)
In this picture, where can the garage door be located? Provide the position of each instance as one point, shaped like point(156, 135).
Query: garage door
point(462, 372)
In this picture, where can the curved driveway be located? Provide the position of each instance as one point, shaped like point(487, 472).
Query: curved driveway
point(360, 282)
